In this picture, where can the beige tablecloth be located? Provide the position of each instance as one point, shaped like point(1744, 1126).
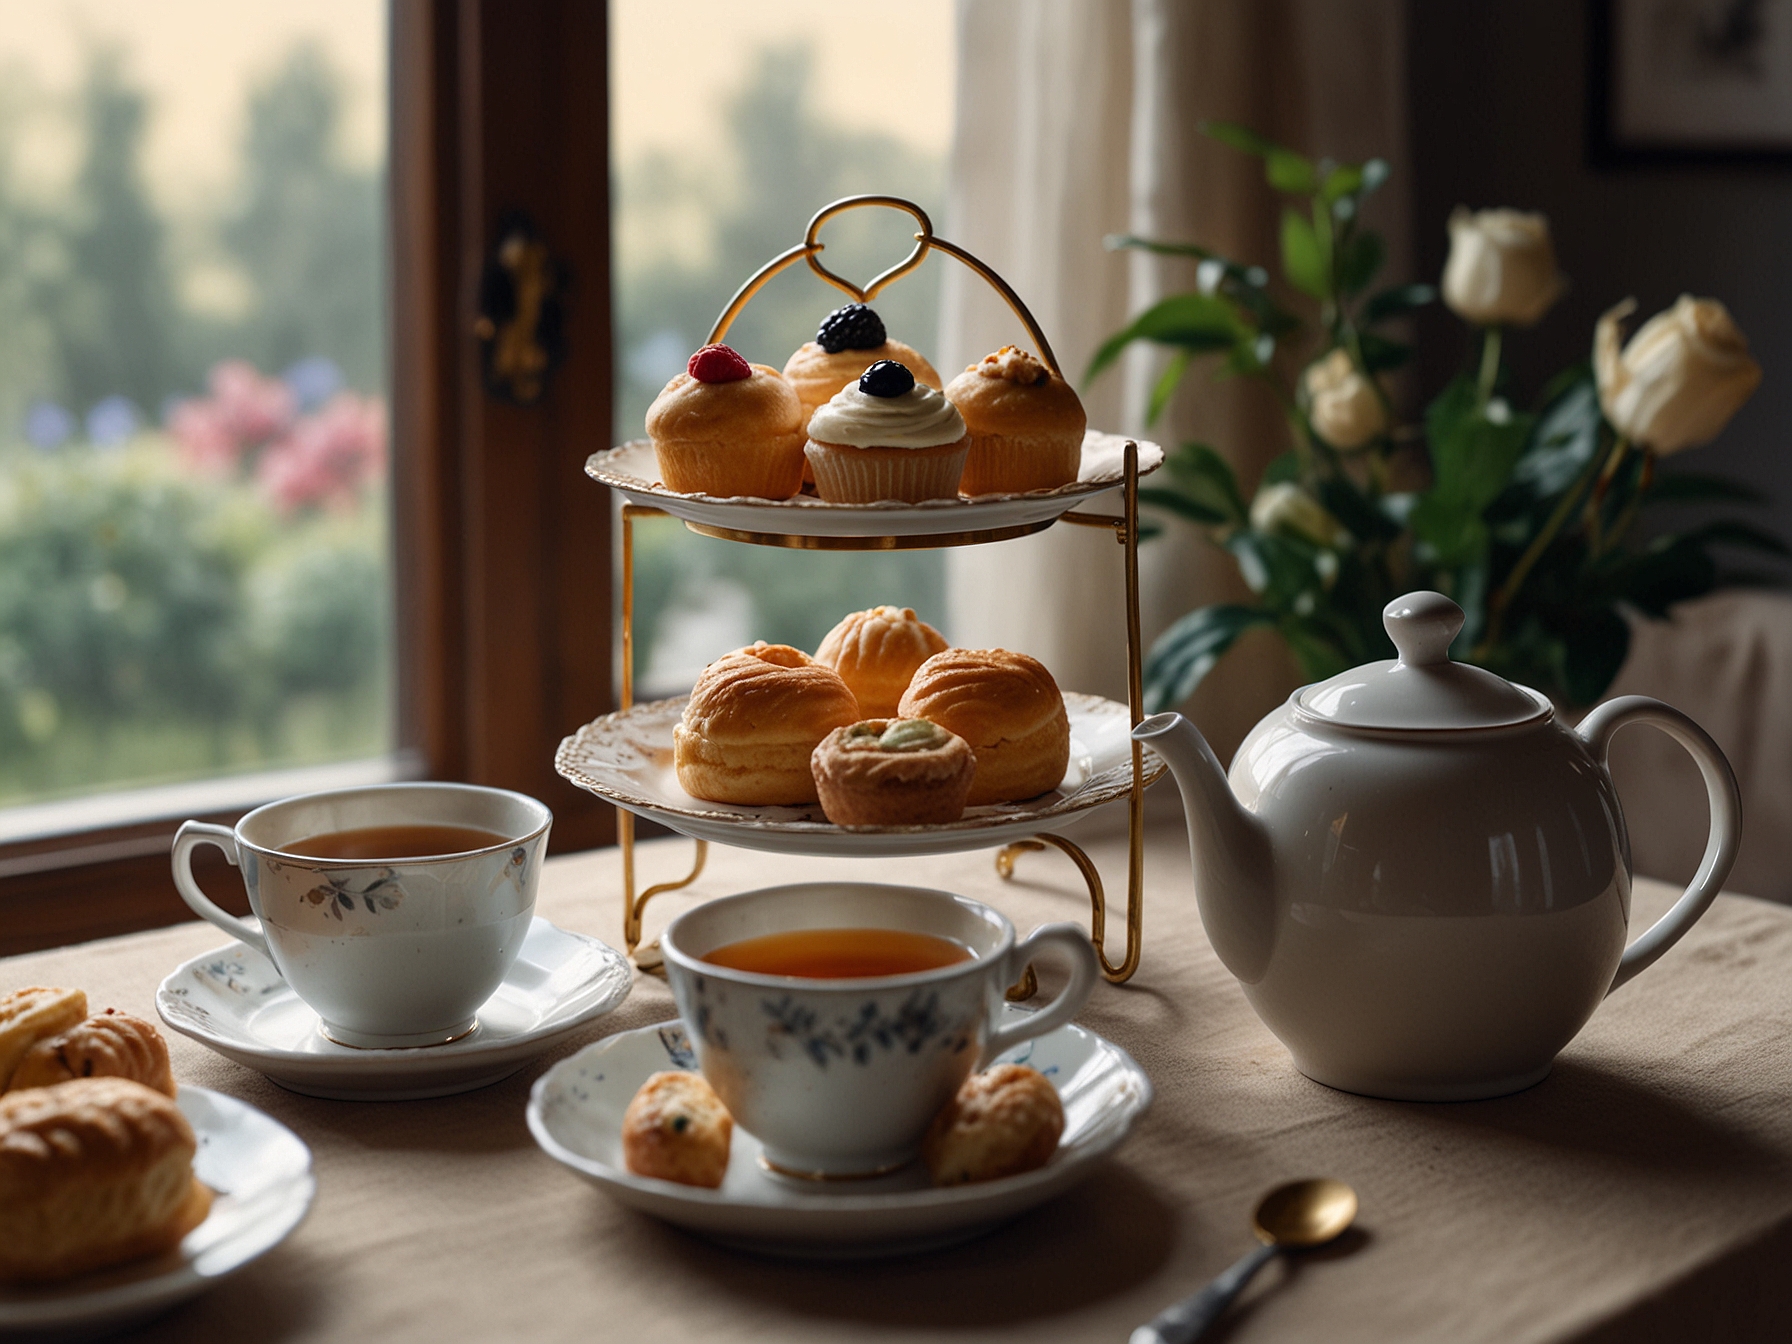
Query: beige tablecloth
point(1643, 1191)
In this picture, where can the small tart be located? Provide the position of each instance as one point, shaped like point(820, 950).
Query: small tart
point(1025, 425)
point(876, 653)
point(893, 772)
point(738, 438)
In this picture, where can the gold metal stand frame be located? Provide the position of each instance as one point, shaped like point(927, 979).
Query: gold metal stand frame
point(1125, 527)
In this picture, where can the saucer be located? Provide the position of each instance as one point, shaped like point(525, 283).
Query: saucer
point(259, 1171)
point(575, 1113)
point(233, 1000)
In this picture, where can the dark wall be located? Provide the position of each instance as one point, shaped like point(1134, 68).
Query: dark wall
point(1499, 116)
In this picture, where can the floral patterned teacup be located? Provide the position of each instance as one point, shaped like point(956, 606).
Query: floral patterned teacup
point(387, 953)
point(840, 1078)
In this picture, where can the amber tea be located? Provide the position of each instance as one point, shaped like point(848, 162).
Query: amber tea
point(387, 843)
point(839, 954)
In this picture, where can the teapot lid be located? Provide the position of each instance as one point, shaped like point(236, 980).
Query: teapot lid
point(1422, 689)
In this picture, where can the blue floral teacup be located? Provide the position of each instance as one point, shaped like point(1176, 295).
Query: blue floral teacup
point(393, 951)
point(840, 1077)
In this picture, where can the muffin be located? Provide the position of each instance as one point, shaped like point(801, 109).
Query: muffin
point(1003, 1121)
point(887, 437)
point(676, 1129)
point(850, 340)
point(753, 719)
point(1026, 425)
point(1007, 707)
point(729, 428)
point(876, 653)
point(893, 772)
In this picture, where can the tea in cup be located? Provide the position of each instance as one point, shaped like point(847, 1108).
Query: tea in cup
point(835, 1019)
point(394, 911)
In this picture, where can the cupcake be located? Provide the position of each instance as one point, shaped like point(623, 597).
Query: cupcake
point(886, 437)
point(876, 653)
point(893, 772)
point(1026, 425)
point(851, 340)
point(726, 427)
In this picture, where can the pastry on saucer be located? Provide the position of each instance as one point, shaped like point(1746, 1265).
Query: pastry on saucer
point(1007, 707)
point(753, 719)
point(676, 1129)
point(887, 437)
point(850, 340)
point(1003, 1121)
point(107, 1045)
point(876, 653)
point(1026, 425)
point(728, 428)
point(893, 772)
point(30, 1015)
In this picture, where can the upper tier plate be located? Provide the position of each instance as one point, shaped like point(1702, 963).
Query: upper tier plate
point(626, 759)
point(632, 470)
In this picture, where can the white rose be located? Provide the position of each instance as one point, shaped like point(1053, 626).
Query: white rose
point(1502, 267)
point(1343, 405)
point(1681, 377)
point(1287, 509)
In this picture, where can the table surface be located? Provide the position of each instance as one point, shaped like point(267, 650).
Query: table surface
point(1641, 1191)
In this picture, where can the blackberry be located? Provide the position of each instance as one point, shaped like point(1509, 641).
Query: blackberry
point(854, 327)
point(886, 378)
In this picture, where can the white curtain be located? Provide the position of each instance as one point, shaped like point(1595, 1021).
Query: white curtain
point(1077, 119)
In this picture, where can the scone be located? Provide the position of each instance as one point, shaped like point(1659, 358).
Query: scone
point(107, 1045)
point(1007, 707)
point(850, 340)
point(676, 1129)
point(1026, 425)
point(893, 772)
point(752, 721)
point(28, 1016)
point(92, 1173)
point(1003, 1121)
point(876, 653)
point(726, 427)
point(886, 437)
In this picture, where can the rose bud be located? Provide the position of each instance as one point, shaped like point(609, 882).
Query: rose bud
point(1502, 268)
point(1681, 377)
point(1344, 406)
point(1287, 509)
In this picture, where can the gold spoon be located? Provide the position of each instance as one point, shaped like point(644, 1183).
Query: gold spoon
point(1293, 1217)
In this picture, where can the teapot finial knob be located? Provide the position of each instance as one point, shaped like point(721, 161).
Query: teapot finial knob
point(1422, 625)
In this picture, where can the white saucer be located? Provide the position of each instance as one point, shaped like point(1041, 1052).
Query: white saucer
point(575, 1113)
point(233, 1000)
point(259, 1171)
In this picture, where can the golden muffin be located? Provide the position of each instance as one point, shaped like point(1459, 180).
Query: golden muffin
point(1007, 707)
point(107, 1045)
point(729, 428)
point(30, 1015)
point(676, 1129)
point(1003, 1121)
point(876, 653)
point(1026, 425)
point(753, 719)
point(851, 339)
point(887, 437)
point(893, 772)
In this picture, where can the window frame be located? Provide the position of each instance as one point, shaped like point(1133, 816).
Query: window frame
point(501, 545)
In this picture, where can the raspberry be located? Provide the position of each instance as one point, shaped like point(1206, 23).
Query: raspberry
point(854, 327)
point(718, 364)
point(886, 378)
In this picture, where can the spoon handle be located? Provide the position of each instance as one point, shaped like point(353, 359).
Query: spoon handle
point(1188, 1319)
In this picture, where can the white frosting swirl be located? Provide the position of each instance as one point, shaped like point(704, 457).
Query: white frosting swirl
point(920, 418)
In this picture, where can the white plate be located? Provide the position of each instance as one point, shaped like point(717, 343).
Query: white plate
point(233, 1000)
point(625, 758)
point(575, 1113)
point(632, 470)
point(260, 1172)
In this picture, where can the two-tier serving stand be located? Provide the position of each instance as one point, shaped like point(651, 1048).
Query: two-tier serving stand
point(624, 757)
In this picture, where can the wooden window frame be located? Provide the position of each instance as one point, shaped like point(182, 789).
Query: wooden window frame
point(502, 546)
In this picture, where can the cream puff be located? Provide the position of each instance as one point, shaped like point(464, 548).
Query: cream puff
point(887, 437)
point(1025, 424)
point(893, 772)
point(876, 653)
point(1010, 711)
point(851, 340)
point(729, 428)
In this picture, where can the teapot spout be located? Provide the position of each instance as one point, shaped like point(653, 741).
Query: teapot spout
point(1234, 872)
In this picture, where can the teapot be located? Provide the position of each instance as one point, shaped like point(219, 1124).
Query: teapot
point(1420, 875)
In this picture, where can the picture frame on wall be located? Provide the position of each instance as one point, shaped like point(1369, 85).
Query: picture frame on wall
point(1691, 81)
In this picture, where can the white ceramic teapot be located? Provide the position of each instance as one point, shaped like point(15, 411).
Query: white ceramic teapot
point(1420, 876)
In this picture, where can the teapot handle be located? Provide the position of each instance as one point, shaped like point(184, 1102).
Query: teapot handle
point(1597, 730)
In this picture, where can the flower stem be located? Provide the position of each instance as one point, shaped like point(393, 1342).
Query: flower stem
point(1591, 517)
point(1490, 366)
point(1627, 515)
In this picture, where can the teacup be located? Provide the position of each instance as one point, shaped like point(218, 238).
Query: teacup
point(398, 952)
point(840, 1077)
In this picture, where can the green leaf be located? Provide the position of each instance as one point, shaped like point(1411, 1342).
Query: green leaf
point(1671, 570)
point(1174, 501)
point(1693, 487)
point(1394, 302)
point(1188, 650)
point(1351, 507)
point(1166, 385)
point(1472, 456)
point(1117, 242)
point(1281, 469)
point(1380, 354)
point(1241, 138)
point(1360, 261)
point(1566, 437)
point(1290, 172)
point(1304, 263)
point(1344, 180)
point(1314, 649)
point(1279, 569)
point(1204, 476)
point(1199, 323)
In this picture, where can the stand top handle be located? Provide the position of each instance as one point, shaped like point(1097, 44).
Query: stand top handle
point(925, 241)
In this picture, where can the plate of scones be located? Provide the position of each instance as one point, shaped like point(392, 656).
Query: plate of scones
point(885, 741)
point(858, 435)
point(123, 1192)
